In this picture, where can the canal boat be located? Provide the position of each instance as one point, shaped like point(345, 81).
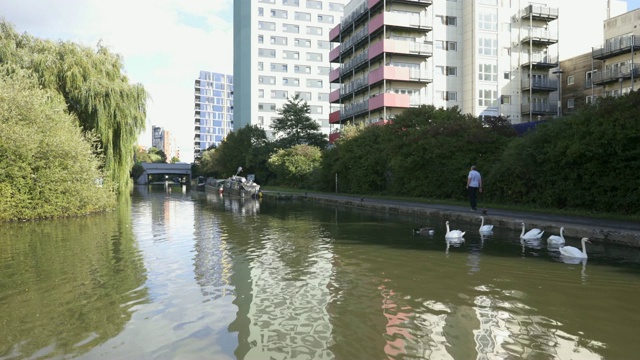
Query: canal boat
point(239, 186)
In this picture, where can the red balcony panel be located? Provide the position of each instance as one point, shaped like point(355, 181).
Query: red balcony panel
point(334, 96)
point(389, 100)
point(376, 23)
point(333, 137)
point(388, 73)
point(376, 49)
point(381, 122)
point(334, 33)
point(372, 3)
point(334, 117)
point(334, 54)
point(334, 75)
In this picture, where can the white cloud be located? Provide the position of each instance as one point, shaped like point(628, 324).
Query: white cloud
point(164, 44)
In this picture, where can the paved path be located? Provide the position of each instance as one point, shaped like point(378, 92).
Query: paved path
point(596, 229)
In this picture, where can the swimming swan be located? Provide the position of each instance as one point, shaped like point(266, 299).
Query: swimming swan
point(485, 228)
point(531, 234)
point(570, 251)
point(453, 234)
point(555, 239)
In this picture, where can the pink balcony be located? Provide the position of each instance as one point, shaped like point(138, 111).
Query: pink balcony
point(389, 100)
point(334, 75)
point(333, 137)
point(334, 54)
point(334, 33)
point(400, 47)
point(334, 117)
point(376, 23)
point(389, 73)
point(334, 96)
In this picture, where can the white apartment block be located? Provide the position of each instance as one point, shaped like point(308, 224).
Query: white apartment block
point(281, 49)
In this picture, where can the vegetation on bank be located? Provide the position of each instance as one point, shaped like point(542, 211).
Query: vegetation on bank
point(95, 90)
point(48, 166)
point(586, 162)
point(68, 122)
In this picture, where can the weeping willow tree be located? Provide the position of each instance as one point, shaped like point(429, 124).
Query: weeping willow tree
point(95, 90)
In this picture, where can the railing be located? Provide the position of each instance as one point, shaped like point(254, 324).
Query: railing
point(539, 33)
point(624, 72)
point(354, 108)
point(357, 36)
point(355, 61)
point(616, 46)
point(539, 11)
point(359, 10)
point(542, 84)
point(538, 109)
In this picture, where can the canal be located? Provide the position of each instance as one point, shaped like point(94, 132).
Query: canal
point(188, 275)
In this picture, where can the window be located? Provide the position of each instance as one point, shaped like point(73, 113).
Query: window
point(488, 45)
point(279, 94)
point(327, 19)
point(488, 19)
point(266, 25)
point(314, 83)
point(302, 16)
point(315, 109)
point(336, 7)
point(314, 30)
point(323, 97)
point(571, 103)
point(302, 69)
point(266, 107)
point(323, 44)
point(263, 79)
point(570, 80)
point(260, 65)
point(290, 81)
point(290, 28)
point(279, 14)
point(488, 72)
point(448, 20)
point(278, 40)
point(287, 54)
point(324, 70)
point(304, 95)
point(267, 1)
point(302, 43)
point(446, 45)
point(507, 75)
point(276, 67)
point(448, 95)
point(447, 70)
point(314, 56)
point(260, 11)
point(291, 2)
point(268, 53)
point(505, 99)
point(314, 4)
point(487, 97)
point(260, 93)
point(260, 39)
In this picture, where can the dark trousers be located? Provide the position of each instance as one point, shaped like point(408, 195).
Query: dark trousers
point(473, 197)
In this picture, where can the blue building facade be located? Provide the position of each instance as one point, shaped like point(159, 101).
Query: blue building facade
point(213, 110)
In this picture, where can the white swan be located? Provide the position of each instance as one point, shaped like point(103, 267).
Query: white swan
point(453, 234)
point(531, 234)
point(485, 228)
point(570, 251)
point(555, 239)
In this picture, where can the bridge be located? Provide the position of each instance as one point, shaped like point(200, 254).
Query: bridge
point(152, 170)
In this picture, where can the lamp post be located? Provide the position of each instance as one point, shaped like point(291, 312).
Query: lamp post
point(558, 73)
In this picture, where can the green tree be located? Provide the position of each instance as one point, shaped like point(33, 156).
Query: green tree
point(94, 87)
point(48, 166)
point(294, 166)
point(235, 150)
point(175, 159)
point(294, 126)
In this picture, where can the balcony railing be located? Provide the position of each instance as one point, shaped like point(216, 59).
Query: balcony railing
point(538, 12)
point(354, 62)
point(541, 109)
point(541, 60)
point(353, 39)
point(354, 109)
point(354, 15)
point(540, 35)
point(625, 72)
point(617, 46)
point(540, 84)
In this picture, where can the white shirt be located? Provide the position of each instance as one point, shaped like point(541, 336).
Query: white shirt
point(474, 178)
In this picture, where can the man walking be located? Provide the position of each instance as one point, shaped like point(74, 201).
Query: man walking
point(474, 185)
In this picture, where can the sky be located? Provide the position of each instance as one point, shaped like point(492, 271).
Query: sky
point(164, 44)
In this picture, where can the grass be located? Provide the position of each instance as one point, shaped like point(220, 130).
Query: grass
point(465, 203)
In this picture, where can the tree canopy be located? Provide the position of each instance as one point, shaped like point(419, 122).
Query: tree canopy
point(94, 87)
point(294, 126)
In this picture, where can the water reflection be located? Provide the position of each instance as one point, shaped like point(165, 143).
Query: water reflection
point(214, 277)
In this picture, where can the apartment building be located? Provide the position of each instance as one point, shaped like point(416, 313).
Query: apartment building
point(487, 57)
point(163, 140)
point(213, 110)
point(280, 51)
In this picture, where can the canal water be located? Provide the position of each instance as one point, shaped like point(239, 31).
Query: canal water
point(188, 275)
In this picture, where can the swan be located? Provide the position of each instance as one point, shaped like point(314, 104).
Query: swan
point(555, 239)
point(453, 234)
point(485, 228)
point(531, 234)
point(570, 251)
point(422, 230)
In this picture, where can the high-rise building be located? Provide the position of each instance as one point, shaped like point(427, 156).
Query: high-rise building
point(213, 110)
point(487, 57)
point(281, 50)
point(163, 140)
